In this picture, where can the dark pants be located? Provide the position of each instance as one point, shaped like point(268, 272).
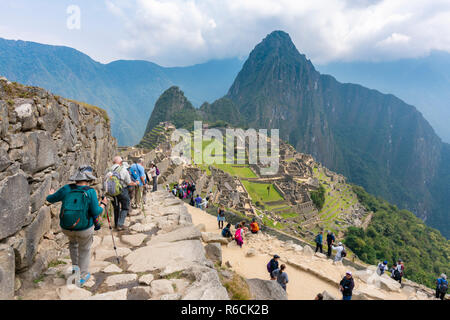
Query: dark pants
point(155, 183)
point(121, 205)
point(329, 250)
point(440, 295)
point(319, 246)
point(346, 297)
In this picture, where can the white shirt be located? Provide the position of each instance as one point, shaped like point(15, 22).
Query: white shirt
point(125, 178)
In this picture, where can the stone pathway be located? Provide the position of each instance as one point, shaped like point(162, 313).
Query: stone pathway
point(161, 257)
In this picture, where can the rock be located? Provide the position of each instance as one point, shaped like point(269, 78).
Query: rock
point(138, 227)
point(146, 279)
point(328, 296)
point(421, 295)
point(227, 274)
point(34, 233)
point(201, 227)
point(389, 284)
point(14, 213)
point(112, 268)
point(206, 286)
point(161, 287)
point(186, 233)
point(213, 237)
point(163, 255)
point(228, 264)
point(297, 248)
point(72, 292)
point(7, 272)
point(40, 152)
point(103, 254)
point(139, 293)
point(266, 290)
point(320, 255)
point(120, 279)
point(111, 295)
point(368, 293)
point(251, 253)
point(134, 240)
point(171, 296)
point(214, 252)
point(307, 251)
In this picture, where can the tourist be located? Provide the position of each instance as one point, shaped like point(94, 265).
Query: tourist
point(346, 286)
point(220, 216)
point(254, 227)
point(319, 239)
point(339, 250)
point(121, 203)
point(272, 266)
point(81, 212)
point(441, 287)
point(401, 269)
point(282, 277)
point(330, 242)
point(154, 172)
point(198, 201)
point(226, 232)
point(319, 297)
point(382, 267)
point(131, 188)
point(204, 204)
point(239, 235)
point(138, 176)
point(393, 270)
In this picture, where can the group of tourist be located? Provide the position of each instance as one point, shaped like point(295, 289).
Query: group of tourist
point(184, 190)
point(340, 249)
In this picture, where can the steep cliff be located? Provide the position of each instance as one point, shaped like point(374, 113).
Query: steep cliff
point(43, 139)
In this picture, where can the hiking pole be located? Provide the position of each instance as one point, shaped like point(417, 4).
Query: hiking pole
point(112, 236)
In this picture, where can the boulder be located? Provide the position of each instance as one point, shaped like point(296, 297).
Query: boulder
point(161, 287)
point(138, 227)
point(72, 292)
point(146, 279)
point(308, 251)
point(389, 284)
point(14, 213)
point(38, 197)
point(7, 272)
point(251, 253)
point(111, 295)
point(328, 296)
point(320, 255)
point(266, 290)
point(139, 293)
point(214, 252)
point(112, 268)
point(163, 255)
point(134, 240)
point(213, 237)
point(120, 279)
point(40, 152)
point(201, 227)
point(186, 233)
point(34, 233)
point(206, 285)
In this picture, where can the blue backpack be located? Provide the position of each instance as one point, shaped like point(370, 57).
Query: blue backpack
point(75, 209)
point(133, 172)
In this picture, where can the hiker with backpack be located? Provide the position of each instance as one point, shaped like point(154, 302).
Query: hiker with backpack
point(340, 252)
point(382, 267)
point(441, 287)
point(137, 174)
point(220, 216)
point(117, 181)
point(154, 172)
point(198, 201)
point(319, 239)
point(330, 241)
point(281, 275)
point(346, 286)
point(400, 271)
point(272, 265)
point(78, 217)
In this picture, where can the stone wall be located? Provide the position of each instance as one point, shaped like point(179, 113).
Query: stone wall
point(43, 139)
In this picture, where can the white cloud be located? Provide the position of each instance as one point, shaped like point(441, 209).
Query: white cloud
point(180, 32)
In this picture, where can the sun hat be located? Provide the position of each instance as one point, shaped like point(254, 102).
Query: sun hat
point(349, 272)
point(83, 173)
point(276, 256)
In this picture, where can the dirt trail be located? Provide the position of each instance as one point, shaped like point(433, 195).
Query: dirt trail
point(301, 286)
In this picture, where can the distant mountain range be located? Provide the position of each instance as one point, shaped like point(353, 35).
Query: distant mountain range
point(127, 90)
point(374, 139)
point(422, 82)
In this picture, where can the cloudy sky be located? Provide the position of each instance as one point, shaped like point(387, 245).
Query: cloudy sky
point(183, 32)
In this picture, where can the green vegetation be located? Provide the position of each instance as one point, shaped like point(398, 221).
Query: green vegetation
point(398, 234)
point(318, 197)
point(55, 263)
point(258, 192)
point(92, 108)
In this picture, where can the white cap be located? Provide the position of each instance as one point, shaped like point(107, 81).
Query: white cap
point(349, 272)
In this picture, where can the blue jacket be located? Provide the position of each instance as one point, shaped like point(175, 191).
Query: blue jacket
point(94, 209)
point(139, 171)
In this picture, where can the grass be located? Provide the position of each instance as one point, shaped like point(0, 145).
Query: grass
point(55, 263)
point(237, 288)
point(258, 191)
point(39, 279)
point(241, 172)
point(95, 109)
point(174, 275)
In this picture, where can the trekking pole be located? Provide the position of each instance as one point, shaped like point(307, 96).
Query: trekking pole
point(112, 236)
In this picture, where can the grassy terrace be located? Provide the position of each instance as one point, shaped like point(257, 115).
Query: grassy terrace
point(258, 192)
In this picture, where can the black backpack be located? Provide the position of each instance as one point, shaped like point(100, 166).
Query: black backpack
point(343, 253)
point(443, 287)
point(396, 274)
